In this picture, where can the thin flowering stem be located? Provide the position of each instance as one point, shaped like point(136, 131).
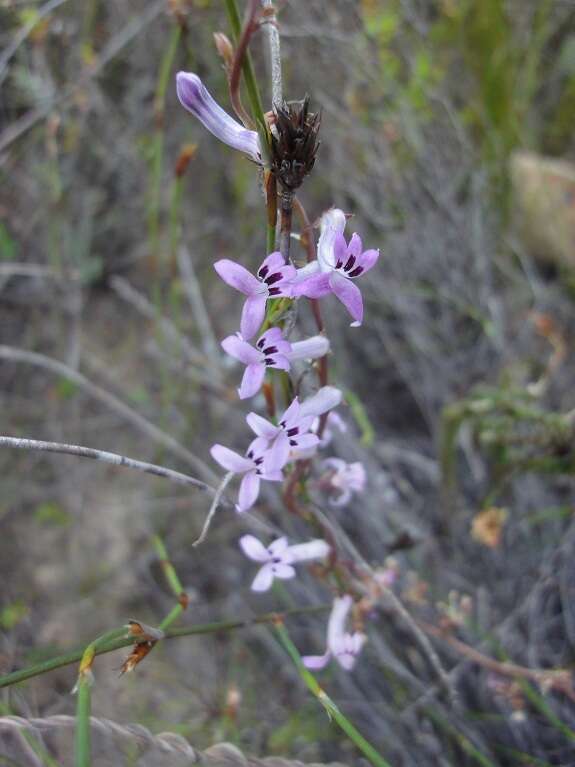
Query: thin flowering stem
point(214, 507)
point(330, 707)
point(74, 656)
point(286, 208)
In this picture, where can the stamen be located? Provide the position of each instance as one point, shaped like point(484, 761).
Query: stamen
point(338, 265)
point(356, 272)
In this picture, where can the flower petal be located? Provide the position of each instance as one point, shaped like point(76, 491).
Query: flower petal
point(278, 453)
point(273, 262)
point(316, 662)
point(306, 271)
point(252, 380)
point(325, 399)
point(249, 491)
point(316, 549)
point(230, 460)
point(285, 572)
point(336, 623)
point(310, 349)
point(263, 579)
point(332, 223)
point(279, 362)
point(291, 415)
point(261, 426)
point(316, 286)
point(237, 276)
point(241, 350)
point(367, 260)
point(195, 97)
point(354, 247)
point(279, 547)
point(253, 315)
point(254, 549)
point(307, 441)
point(350, 296)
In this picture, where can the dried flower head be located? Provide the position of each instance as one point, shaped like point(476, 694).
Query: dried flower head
point(294, 142)
point(487, 526)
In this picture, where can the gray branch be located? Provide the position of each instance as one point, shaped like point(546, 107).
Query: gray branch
point(111, 458)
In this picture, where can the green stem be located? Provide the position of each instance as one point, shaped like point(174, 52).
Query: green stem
point(167, 566)
point(83, 711)
point(116, 644)
point(332, 710)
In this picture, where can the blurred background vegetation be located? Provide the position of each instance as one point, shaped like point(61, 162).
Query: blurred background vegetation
point(447, 131)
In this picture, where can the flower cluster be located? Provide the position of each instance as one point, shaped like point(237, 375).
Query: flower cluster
point(262, 342)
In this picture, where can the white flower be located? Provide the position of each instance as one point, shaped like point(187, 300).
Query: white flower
point(278, 558)
point(342, 646)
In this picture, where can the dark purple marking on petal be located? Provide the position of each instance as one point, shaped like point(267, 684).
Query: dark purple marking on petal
point(292, 432)
point(356, 272)
point(339, 265)
point(269, 361)
point(274, 291)
point(293, 442)
point(262, 272)
point(260, 343)
point(273, 278)
point(258, 461)
point(350, 264)
point(270, 350)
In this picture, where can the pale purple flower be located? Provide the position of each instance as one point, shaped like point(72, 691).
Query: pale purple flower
point(270, 351)
point(278, 558)
point(274, 278)
point(342, 646)
point(195, 97)
point(344, 478)
point(251, 466)
point(293, 430)
point(337, 264)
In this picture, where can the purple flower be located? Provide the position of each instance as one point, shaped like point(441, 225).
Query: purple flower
point(271, 351)
point(342, 646)
point(337, 264)
point(251, 467)
point(274, 278)
point(293, 430)
point(278, 558)
point(195, 97)
point(344, 478)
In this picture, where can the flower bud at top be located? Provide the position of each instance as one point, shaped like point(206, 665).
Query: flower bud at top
point(224, 48)
point(294, 143)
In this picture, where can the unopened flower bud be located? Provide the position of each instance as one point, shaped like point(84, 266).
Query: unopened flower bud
point(224, 48)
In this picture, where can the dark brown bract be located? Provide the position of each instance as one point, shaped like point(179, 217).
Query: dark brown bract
point(294, 142)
